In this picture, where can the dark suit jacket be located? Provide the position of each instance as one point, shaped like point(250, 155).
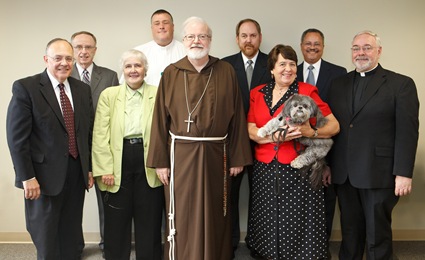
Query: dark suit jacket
point(36, 132)
point(327, 73)
point(378, 140)
point(260, 75)
point(101, 78)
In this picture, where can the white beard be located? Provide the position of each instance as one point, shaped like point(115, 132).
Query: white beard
point(196, 54)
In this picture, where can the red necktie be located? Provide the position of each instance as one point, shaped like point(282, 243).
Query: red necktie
point(68, 116)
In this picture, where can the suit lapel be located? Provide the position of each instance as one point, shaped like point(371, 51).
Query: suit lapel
point(75, 73)
point(349, 92)
point(95, 78)
point(76, 100)
point(147, 107)
point(49, 94)
point(120, 107)
point(259, 69)
point(241, 74)
point(374, 84)
point(323, 76)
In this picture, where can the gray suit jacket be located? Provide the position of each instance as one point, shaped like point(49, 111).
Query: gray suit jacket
point(101, 78)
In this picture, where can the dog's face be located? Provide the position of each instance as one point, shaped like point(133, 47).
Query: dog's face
point(299, 108)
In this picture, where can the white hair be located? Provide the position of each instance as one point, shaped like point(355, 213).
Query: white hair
point(374, 35)
point(192, 20)
point(134, 54)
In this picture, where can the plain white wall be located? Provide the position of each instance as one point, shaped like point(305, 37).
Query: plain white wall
point(27, 26)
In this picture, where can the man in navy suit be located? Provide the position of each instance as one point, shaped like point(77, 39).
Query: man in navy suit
point(248, 38)
point(99, 78)
point(373, 156)
point(312, 45)
point(52, 161)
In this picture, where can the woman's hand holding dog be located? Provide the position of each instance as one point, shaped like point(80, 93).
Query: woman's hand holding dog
point(291, 134)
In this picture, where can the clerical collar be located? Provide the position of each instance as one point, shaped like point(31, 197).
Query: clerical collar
point(367, 73)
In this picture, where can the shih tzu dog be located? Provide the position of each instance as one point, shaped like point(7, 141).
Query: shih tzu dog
point(297, 110)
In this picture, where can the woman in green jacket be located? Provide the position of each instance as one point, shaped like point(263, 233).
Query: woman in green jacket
point(121, 137)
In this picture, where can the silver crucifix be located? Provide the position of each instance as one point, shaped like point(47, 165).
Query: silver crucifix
point(188, 121)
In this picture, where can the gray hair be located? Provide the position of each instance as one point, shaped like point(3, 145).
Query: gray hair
point(134, 54)
point(374, 35)
point(192, 20)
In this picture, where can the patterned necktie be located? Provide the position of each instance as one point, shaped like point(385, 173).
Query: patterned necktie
point(68, 116)
point(86, 78)
point(310, 78)
point(249, 71)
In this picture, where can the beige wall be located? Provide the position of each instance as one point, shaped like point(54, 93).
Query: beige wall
point(26, 27)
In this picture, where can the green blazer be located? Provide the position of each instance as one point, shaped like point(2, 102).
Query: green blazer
point(108, 134)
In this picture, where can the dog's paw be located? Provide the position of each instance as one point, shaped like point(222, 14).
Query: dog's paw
point(261, 132)
point(296, 164)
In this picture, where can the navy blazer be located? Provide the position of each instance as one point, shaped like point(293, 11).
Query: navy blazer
point(379, 139)
point(37, 136)
point(327, 73)
point(260, 75)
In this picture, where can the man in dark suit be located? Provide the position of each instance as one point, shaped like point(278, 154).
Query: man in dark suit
point(323, 72)
point(99, 78)
point(312, 45)
point(49, 124)
point(248, 38)
point(373, 156)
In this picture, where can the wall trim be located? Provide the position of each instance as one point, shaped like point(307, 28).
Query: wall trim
point(93, 237)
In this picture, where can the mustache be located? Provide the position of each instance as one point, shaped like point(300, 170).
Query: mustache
point(313, 50)
point(195, 45)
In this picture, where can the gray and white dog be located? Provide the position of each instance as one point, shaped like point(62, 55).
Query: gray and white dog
point(298, 109)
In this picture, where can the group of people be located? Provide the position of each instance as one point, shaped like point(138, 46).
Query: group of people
point(180, 132)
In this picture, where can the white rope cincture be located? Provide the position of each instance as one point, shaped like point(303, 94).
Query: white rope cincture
point(171, 208)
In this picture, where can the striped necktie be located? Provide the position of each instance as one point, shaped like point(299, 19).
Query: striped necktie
point(86, 78)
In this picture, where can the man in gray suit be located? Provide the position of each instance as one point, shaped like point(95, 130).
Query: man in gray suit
point(99, 78)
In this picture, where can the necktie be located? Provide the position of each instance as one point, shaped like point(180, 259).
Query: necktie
point(86, 78)
point(249, 71)
point(310, 77)
point(68, 116)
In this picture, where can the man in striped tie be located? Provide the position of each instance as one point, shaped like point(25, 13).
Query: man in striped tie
point(99, 78)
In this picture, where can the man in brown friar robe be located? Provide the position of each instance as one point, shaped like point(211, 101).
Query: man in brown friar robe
point(199, 118)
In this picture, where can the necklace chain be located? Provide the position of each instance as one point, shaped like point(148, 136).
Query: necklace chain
point(281, 91)
point(199, 101)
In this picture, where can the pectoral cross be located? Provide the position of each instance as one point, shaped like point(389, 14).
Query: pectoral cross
point(188, 121)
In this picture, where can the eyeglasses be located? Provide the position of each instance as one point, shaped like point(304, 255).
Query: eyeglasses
point(87, 47)
point(366, 48)
point(58, 59)
point(192, 37)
